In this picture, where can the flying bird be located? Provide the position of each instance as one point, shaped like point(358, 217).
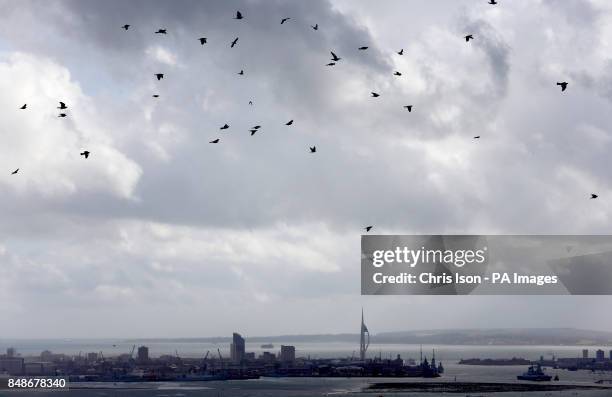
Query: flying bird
point(126, 27)
point(62, 105)
point(330, 64)
point(256, 127)
point(477, 137)
point(161, 31)
point(594, 196)
point(234, 42)
point(492, 2)
point(214, 141)
point(284, 20)
point(335, 57)
point(253, 131)
point(313, 149)
point(469, 37)
point(202, 40)
point(14, 172)
point(401, 52)
point(159, 76)
point(289, 122)
point(62, 115)
point(397, 74)
point(409, 107)
point(251, 103)
point(225, 127)
point(563, 85)
point(241, 72)
point(363, 48)
point(238, 15)
point(315, 27)
point(25, 105)
point(85, 153)
point(155, 95)
point(375, 95)
point(368, 228)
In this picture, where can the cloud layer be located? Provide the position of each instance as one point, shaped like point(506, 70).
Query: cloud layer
point(172, 236)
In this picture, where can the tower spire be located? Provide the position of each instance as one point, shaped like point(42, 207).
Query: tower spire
point(364, 340)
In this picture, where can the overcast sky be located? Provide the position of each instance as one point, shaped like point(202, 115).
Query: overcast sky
point(161, 234)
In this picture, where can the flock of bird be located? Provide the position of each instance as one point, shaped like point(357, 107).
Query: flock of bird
point(333, 61)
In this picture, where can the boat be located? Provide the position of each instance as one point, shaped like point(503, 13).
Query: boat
point(535, 373)
point(267, 346)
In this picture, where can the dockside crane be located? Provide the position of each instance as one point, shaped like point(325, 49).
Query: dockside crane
point(204, 364)
point(220, 358)
point(132, 352)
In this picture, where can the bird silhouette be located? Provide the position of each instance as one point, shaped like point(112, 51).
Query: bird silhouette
point(330, 64)
point(335, 57)
point(397, 74)
point(62, 115)
point(14, 172)
point(469, 37)
point(256, 127)
point(25, 105)
point(62, 105)
point(375, 95)
point(313, 149)
point(492, 2)
point(477, 137)
point(401, 52)
point(251, 103)
point(594, 196)
point(161, 31)
point(284, 20)
point(368, 228)
point(253, 131)
point(363, 48)
point(225, 127)
point(214, 141)
point(159, 76)
point(126, 27)
point(234, 42)
point(85, 153)
point(202, 40)
point(155, 96)
point(409, 107)
point(563, 85)
point(241, 72)
point(315, 27)
point(289, 122)
point(238, 15)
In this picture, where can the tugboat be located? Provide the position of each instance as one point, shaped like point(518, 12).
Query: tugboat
point(535, 373)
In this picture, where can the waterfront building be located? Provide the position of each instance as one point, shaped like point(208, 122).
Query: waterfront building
point(143, 354)
point(287, 354)
point(237, 348)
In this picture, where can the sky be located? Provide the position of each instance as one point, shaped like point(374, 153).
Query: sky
point(162, 234)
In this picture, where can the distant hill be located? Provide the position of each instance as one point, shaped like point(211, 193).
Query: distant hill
point(515, 336)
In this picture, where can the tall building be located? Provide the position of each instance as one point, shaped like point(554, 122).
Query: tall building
point(11, 352)
point(600, 355)
point(585, 353)
point(365, 339)
point(287, 354)
point(237, 348)
point(143, 354)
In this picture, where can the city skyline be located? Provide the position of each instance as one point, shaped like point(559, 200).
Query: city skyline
point(123, 221)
